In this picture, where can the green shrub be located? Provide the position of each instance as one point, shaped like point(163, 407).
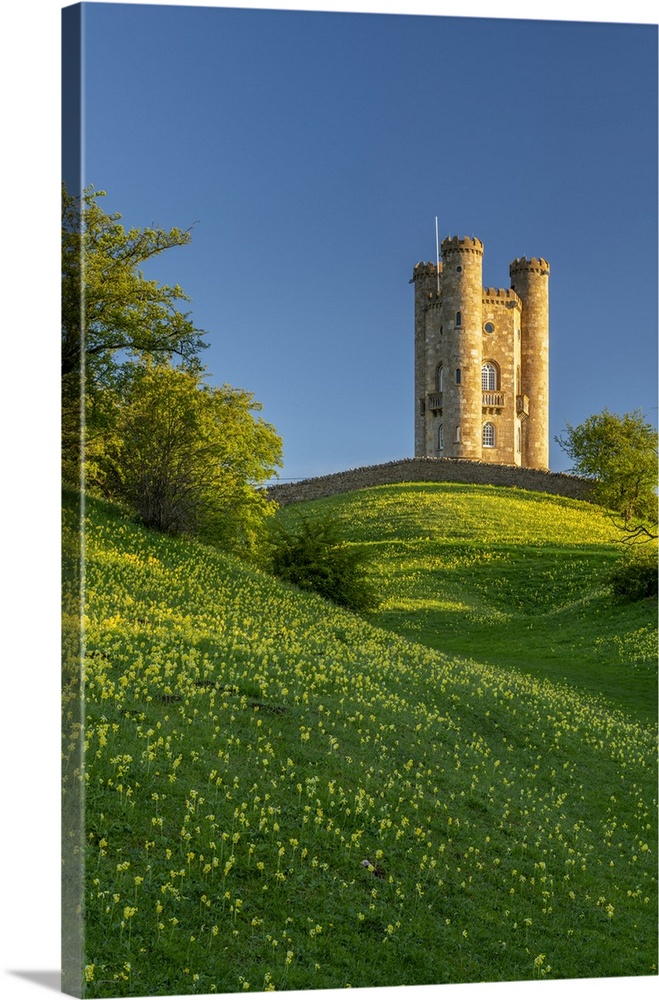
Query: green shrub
point(314, 556)
point(635, 577)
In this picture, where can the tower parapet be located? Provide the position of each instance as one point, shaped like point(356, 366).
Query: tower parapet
point(538, 265)
point(461, 244)
point(502, 297)
point(425, 270)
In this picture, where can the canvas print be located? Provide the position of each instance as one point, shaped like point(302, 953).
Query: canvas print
point(359, 464)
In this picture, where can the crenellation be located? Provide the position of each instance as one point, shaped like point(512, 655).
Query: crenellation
point(501, 296)
point(461, 244)
point(425, 269)
point(534, 264)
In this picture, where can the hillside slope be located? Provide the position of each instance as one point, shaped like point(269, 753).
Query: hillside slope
point(247, 748)
point(507, 577)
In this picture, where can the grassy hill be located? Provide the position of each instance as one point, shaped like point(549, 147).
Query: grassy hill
point(507, 577)
point(247, 748)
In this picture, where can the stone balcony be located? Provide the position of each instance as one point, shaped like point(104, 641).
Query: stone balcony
point(494, 400)
point(491, 399)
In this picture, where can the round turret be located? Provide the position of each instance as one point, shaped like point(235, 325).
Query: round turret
point(427, 285)
point(529, 277)
point(461, 313)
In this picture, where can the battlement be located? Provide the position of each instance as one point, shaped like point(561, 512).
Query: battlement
point(501, 296)
point(425, 270)
point(461, 244)
point(427, 267)
point(536, 264)
point(498, 293)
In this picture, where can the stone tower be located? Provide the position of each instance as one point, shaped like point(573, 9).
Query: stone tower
point(481, 365)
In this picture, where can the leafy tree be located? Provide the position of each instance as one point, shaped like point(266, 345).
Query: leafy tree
point(314, 556)
point(109, 309)
point(186, 457)
point(619, 453)
point(181, 455)
point(111, 314)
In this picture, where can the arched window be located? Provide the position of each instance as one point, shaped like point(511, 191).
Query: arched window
point(440, 378)
point(440, 437)
point(489, 376)
point(458, 319)
point(488, 435)
point(458, 434)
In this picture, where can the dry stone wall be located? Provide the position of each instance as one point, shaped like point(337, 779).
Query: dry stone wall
point(432, 470)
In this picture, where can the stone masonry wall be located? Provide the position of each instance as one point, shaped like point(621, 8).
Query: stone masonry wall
point(431, 470)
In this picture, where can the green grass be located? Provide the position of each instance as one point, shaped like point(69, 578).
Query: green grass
point(506, 577)
point(247, 746)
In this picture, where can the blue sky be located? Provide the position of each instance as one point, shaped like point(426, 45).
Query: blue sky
point(313, 152)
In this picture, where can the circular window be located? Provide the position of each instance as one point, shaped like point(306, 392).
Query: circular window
point(459, 269)
point(488, 327)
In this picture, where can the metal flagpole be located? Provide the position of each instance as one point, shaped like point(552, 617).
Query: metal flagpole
point(437, 249)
